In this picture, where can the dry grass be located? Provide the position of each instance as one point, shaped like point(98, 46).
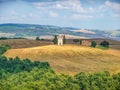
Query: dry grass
point(72, 59)
point(24, 43)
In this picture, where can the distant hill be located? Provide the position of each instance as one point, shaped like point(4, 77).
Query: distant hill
point(71, 59)
point(32, 30)
point(25, 30)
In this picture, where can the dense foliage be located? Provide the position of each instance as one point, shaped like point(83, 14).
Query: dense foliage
point(105, 44)
point(4, 48)
point(98, 81)
point(16, 65)
point(76, 40)
point(80, 42)
point(37, 38)
point(16, 74)
point(93, 44)
point(55, 40)
point(64, 39)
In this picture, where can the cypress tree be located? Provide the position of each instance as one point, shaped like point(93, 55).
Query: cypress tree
point(80, 42)
point(64, 40)
point(55, 40)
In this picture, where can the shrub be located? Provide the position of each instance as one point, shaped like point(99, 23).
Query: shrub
point(75, 40)
point(105, 44)
point(4, 48)
point(37, 38)
point(93, 44)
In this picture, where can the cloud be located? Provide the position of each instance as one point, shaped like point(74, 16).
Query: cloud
point(113, 5)
point(72, 5)
point(14, 13)
point(81, 17)
point(91, 1)
point(32, 15)
point(117, 15)
point(13, 16)
point(53, 14)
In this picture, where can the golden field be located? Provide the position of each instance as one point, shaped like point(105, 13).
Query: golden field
point(24, 43)
point(71, 59)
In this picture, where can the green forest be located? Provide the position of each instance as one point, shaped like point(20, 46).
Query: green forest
point(16, 74)
point(3, 48)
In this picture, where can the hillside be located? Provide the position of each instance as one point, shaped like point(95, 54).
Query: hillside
point(24, 43)
point(71, 59)
point(114, 44)
point(32, 30)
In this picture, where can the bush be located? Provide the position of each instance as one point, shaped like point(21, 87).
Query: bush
point(4, 48)
point(93, 44)
point(17, 65)
point(105, 44)
point(37, 38)
point(75, 40)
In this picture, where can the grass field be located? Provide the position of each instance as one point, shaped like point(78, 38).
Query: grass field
point(24, 43)
point(115, 46)
point(71, 59)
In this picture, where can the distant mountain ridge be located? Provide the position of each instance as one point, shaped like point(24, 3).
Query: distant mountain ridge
point(33, 30)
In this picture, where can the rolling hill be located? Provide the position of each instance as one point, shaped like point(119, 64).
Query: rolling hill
point(32, 30)
point(71, 59)
point(24, 43)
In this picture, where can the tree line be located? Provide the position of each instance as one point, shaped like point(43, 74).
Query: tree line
point(17, 65)
point(93, 43)
point(5, 38)
point(103, 44)
point(3, 48)
point(17, 74)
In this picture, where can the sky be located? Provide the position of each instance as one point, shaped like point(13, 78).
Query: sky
point(84, 14)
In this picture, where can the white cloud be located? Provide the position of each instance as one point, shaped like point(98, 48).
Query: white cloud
point(53, 14)
point(12, 17)
point(33, 15)
point(91, 1)
point(14, 13)
point(81, 17)
point(113, 5)
point(73, 5)
point(23, 16)
point(117, 15)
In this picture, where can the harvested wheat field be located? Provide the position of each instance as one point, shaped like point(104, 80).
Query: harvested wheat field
point(24, 43)
point(71, 59)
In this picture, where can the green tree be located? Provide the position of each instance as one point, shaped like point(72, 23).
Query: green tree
point(93, 44)
point(105, 44)
point(55, 40)
point(64, 39)
point(37, 38)
point(4, 48)
point(80, 42)
point(76, 40)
